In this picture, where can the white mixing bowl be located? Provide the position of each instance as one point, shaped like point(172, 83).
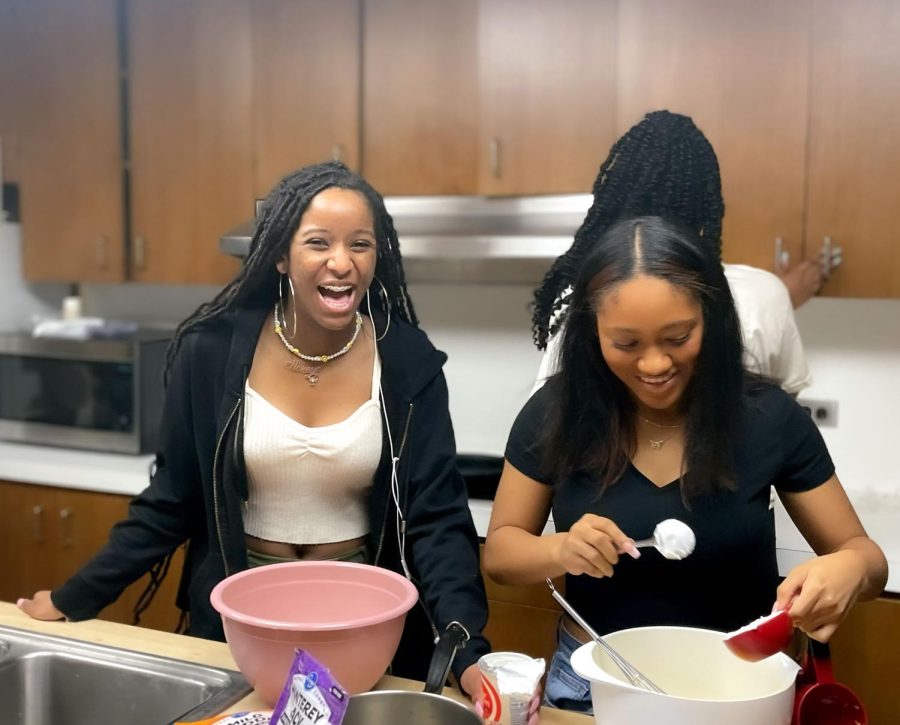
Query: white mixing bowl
point(705, 683)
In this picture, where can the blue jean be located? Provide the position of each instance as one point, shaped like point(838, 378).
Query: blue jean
point(565, 689)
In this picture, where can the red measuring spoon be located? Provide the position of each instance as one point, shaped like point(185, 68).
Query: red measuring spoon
point(761, 638)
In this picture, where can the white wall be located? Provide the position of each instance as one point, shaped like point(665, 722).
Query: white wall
point(492, 363)
point(853, 348)
point(21, 303)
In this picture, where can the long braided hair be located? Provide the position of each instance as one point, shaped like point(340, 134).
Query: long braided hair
point(256, 284)
point(663, 166)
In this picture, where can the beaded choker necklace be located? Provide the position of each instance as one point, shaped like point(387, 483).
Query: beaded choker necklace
point(310, 372)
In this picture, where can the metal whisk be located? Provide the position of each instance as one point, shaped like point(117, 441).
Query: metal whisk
point(634, 675)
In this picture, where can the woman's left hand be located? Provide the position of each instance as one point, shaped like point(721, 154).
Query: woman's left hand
point(472, 674)
point(470, 682)
point(819, 593)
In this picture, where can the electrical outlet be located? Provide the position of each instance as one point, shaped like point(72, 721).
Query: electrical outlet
point(823, 412)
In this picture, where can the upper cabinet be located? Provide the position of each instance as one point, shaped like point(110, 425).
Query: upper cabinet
point(854, 148)
point(741, 71)
point(547, 74)
point(420, 97)
point(11, 88)
point(306, 85)
point(166, 119)
point(69, 144)
point(190, 122)
point(495, 97)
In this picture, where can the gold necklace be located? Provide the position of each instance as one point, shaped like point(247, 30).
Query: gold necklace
point(656, 444)
point(311, 372)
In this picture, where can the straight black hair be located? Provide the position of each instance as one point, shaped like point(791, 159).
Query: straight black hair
point(591, 414)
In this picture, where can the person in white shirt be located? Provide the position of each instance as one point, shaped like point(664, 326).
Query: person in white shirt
point(665, 166)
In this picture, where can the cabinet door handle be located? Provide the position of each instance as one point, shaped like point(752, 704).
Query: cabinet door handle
point(65, 527)
point(830, 257)
point(100, 251)
point(782, 256)
point(139, 252)
point(337, 152)
point(494, 157)
point(37, 523)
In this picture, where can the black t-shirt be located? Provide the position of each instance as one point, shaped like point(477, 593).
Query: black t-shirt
point(731, 577)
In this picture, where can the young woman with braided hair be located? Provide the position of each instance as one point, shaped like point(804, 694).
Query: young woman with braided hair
point(306, 417)
point(665, 166)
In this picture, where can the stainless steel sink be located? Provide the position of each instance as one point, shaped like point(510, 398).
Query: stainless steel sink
point(47, 680)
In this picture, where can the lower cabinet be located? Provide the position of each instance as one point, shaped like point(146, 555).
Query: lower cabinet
point(522, 619)
point(865, 654)
point(47, 533)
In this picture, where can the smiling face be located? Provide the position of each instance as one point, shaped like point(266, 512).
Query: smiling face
point(650, 336)
point(331, 260)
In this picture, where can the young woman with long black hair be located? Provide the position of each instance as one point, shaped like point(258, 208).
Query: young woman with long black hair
point(652, 416)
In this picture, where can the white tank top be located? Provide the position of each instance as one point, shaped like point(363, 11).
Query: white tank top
point(310, 485)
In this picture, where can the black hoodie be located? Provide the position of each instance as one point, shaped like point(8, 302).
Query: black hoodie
point(199, 485)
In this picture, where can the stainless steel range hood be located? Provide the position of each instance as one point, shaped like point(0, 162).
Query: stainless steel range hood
point(471, 239)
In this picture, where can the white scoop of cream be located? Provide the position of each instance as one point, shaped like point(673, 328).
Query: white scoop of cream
point(672, 538)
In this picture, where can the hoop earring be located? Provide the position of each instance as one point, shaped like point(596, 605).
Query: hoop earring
point(293, 303)
point(387, 304)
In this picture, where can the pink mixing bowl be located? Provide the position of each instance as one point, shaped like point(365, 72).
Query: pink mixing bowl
point(348, 616)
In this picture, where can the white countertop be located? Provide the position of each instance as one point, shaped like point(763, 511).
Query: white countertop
point(69, 468)
point(129, 475)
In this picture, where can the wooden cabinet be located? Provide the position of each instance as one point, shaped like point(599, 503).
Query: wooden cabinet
point(522, 619)
point(420, 96)
point(498, 97)
point(306, 85)
point(495, 97)
point(799, 100)
point(47, 533)
point(741, 71)
point(190, 127)
point(68, 104)
point(183, 110)
point(865, 653)
point(854, 148)
point(11, 83)
point(547, 88)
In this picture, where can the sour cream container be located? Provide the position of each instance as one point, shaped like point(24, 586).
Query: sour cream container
point(509, 681)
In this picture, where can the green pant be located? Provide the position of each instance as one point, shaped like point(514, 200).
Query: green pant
point(359, 555)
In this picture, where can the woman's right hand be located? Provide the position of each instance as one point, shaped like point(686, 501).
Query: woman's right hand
point(592, 547)
point(40, 607)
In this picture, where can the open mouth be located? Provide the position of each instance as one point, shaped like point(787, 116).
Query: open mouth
point(659, 381)
point(337, 297)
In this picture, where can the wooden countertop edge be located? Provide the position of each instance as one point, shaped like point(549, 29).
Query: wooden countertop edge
point(201, 651)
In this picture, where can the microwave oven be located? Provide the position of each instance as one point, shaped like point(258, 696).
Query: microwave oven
point(99, 394)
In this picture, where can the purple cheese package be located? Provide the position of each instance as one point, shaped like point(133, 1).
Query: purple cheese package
point(311, 696)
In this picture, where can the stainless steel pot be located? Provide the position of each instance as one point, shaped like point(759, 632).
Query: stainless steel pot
point(390, 707)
